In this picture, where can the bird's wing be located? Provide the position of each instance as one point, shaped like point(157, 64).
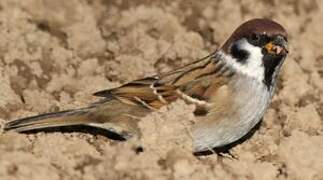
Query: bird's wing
point(195, 83)
point(201, 83)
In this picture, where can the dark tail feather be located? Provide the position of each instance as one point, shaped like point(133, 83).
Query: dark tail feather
point(56, 119)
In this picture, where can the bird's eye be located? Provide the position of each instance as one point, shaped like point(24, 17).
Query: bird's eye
point(255, 37)
point(258, 39)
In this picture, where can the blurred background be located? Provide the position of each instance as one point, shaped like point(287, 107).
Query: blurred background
point(55, 53)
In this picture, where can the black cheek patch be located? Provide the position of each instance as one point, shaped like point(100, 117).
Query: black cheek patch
point(239, 54)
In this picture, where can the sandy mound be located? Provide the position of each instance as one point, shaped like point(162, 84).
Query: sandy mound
point(55, 54)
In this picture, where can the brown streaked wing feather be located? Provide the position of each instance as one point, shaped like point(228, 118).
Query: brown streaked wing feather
point(131, 85)
point(142, 92)
point(198, 80)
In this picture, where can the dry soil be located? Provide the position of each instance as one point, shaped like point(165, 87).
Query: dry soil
point(55, 54)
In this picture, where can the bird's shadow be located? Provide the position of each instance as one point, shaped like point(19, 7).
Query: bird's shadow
point(226, 149)
point(81, 129)
point(114, 136)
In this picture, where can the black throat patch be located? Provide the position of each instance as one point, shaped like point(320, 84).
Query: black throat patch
point(272, 65)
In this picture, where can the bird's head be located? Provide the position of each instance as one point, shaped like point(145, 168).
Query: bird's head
point(257, 48)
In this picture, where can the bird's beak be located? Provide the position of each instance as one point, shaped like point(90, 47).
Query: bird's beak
point(278, 46)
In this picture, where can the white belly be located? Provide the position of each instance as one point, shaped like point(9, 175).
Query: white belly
point(251, 99)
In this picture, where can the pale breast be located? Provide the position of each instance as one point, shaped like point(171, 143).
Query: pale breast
point(237, 108)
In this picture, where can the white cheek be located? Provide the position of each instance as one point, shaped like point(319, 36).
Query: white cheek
point(253, 66)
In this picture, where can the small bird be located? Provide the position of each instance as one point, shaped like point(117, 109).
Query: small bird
point(231, 89)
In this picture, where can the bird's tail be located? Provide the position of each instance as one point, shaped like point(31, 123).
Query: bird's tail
point(56, 119)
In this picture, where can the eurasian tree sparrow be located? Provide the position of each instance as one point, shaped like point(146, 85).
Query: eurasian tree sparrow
point(231, 89)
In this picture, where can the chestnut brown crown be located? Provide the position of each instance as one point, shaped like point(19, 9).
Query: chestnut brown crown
point(255, 26)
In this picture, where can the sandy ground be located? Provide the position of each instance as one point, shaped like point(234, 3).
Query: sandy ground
point(55, 54)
